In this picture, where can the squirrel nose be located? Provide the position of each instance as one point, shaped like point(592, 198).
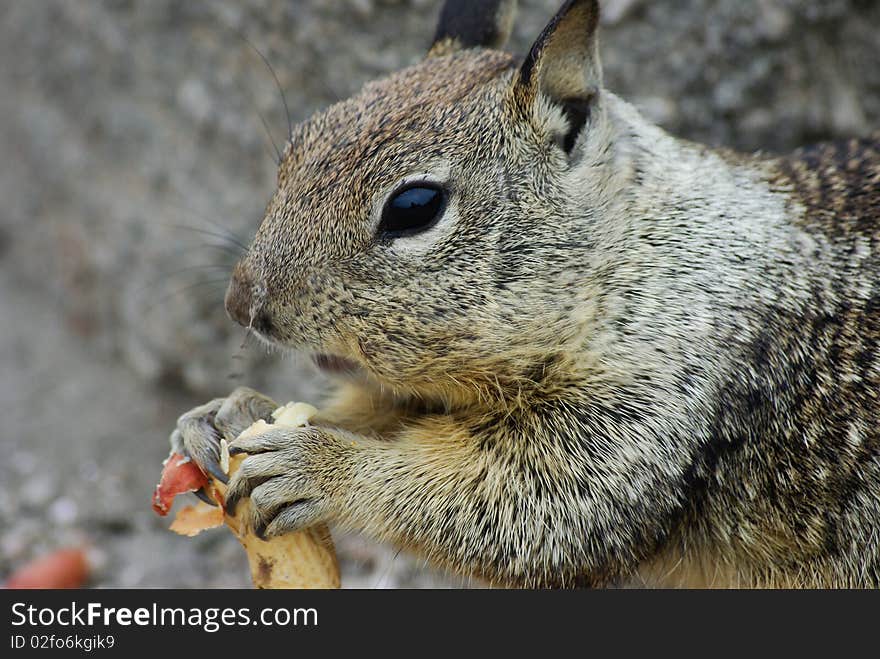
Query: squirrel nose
point(239, 299)
point(243, 306)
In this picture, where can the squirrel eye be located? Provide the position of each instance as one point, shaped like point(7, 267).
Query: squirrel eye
point(412, 210)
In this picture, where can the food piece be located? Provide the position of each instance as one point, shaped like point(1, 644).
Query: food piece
point(294, 414)
point(179, 474)
point(66, 568)
point(256, 428)
point(224, 456)
point(192, 520)
point(305, 559)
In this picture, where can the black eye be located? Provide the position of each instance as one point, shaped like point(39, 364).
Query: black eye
point(412, 210)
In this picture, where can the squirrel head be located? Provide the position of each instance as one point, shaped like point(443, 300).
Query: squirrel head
point(423, 229)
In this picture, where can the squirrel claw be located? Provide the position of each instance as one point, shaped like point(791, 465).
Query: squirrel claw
point(202, 495)
point(214, 469)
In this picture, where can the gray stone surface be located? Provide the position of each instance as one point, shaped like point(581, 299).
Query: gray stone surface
point(134, 150)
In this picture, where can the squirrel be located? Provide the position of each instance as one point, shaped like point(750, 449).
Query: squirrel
point(571, 350)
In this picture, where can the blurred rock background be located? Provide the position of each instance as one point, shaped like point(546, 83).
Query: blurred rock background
point(134, 156)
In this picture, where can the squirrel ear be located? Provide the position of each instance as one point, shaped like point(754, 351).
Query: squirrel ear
point(473, 24)
point(563, 63)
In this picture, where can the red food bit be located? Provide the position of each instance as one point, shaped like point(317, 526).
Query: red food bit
point(66, 568)
point(179, 475)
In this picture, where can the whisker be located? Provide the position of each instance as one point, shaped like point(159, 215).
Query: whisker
point(388, 568)
point(225, 232)
point(166, 276)
point(180, 204)
point(271, 139)
point(247, 335)
point(237, 375)
point(275, 77)
point(187, 250)
point(214, 234)
point(184, 289)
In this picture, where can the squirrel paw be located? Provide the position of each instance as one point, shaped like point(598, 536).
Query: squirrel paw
point(283, 476)
point(199, 431)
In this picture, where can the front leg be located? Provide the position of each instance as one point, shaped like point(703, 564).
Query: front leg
point(293, 477)
point(200, 430)
point(531, 509)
